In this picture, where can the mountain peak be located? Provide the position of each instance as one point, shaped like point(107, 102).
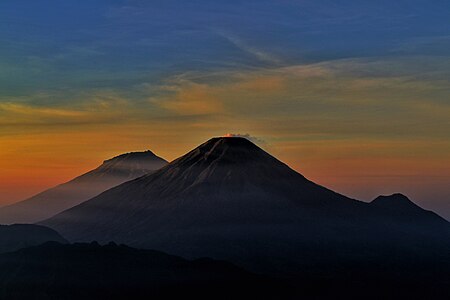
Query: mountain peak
point(131, 156)
point(234, 142)
point(230, 138)
point(227, 150)
point(402, 209)
point(396, 200)
point(132, 161)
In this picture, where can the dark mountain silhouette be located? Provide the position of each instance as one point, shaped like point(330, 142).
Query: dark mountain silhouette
point(55, 200)
point(91, 271)
point(18, 236)
point(400, 208)
point(229, 199)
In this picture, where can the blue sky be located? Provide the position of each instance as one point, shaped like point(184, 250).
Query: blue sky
point(91, 44)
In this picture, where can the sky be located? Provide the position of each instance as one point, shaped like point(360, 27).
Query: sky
point(353, 94)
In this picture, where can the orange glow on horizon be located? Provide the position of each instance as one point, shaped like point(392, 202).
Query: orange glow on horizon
point(358, 170)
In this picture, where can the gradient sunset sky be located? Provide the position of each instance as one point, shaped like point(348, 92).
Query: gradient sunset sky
point(354, 94)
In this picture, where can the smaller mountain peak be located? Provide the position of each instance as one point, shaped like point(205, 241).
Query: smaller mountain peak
point(132, 162)
point(396, 200)
point(397, 196)
point(138, 155)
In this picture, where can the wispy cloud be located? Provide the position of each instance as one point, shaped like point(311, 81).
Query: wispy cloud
point(21, 109)
point(258, 53)
point(345, 98)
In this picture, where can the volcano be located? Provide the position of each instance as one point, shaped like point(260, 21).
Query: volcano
point(229, 199)
point(112, 172)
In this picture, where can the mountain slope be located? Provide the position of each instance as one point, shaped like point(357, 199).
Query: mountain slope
point(14, 237)
point(111, 173)
point(229, 199)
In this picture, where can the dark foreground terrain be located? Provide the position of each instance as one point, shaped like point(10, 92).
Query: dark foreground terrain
point(91, 271)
